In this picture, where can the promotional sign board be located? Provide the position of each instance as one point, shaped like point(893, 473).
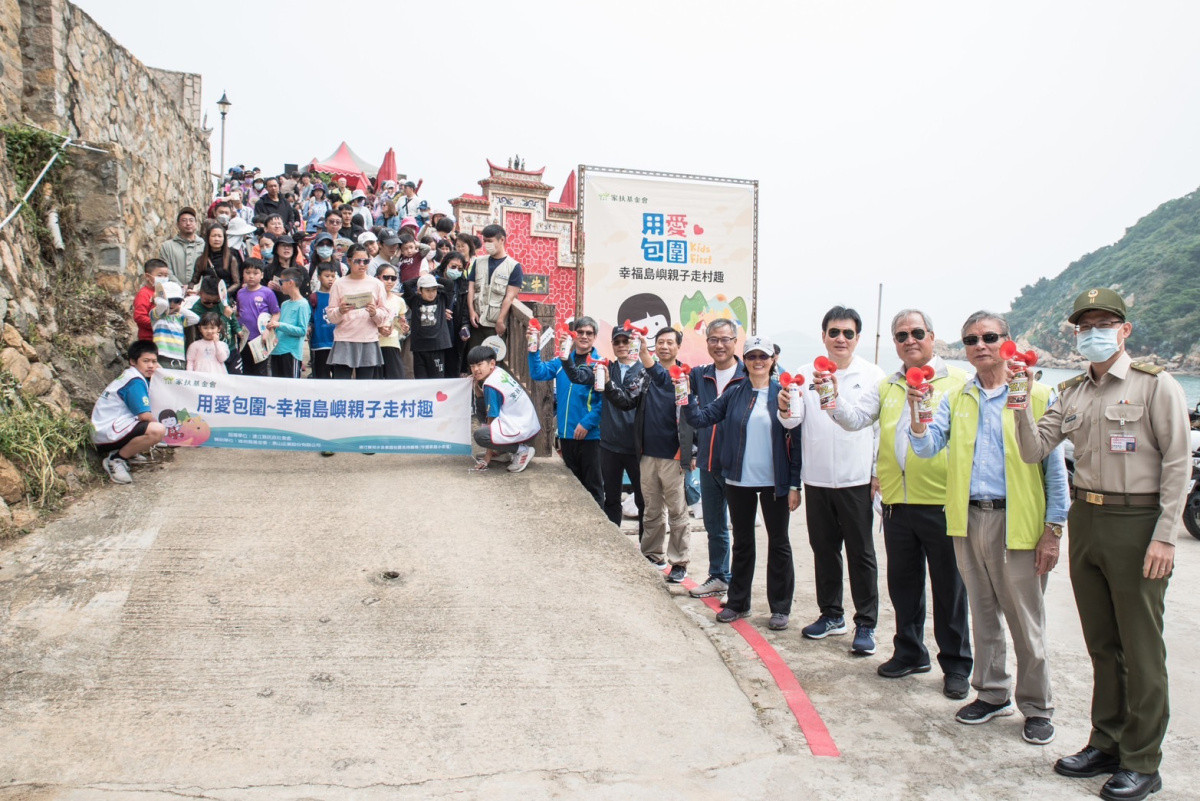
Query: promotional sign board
point(667, 250)
point(286, 414)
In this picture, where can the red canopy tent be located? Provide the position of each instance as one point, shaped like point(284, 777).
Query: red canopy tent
point(344, 162)
point(387, 170)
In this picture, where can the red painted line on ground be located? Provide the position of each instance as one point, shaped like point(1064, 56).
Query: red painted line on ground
point(820, 741)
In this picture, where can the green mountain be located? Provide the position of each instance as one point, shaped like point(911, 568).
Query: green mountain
point(1156, 268)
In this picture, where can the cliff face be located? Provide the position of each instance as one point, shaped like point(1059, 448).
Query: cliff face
point(71, 260)
point(1156, 268)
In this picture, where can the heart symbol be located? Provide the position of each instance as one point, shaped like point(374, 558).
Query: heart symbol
point(441, 396)
point(697, 229)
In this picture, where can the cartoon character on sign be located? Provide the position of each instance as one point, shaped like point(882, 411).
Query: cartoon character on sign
point(646, 310)
point(188, 431)
point(170, 421)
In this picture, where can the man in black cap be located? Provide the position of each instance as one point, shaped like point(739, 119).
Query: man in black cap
point(1128, 421)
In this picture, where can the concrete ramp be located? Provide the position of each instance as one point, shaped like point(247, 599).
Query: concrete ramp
point(260, 625)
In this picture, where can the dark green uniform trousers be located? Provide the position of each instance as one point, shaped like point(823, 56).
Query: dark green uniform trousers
point(1122, 617)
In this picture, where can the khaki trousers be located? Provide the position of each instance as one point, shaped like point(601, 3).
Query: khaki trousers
point(1003, 586)
point(662, 491)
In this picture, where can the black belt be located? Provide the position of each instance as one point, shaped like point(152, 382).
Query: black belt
point(1114, 499)
point(995, 503)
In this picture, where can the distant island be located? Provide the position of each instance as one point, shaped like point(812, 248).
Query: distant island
point(1156, 268)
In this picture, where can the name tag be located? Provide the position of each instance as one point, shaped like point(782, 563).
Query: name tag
point(1069, 419)
point(1122, 443)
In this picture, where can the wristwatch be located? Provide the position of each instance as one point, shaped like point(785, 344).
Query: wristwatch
point(1056, 528)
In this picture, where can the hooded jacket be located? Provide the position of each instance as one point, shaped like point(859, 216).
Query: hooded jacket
point(577, 405)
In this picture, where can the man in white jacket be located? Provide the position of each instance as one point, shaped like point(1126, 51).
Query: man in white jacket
point(839, 484)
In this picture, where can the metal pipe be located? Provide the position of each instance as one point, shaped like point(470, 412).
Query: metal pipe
point(34, 185)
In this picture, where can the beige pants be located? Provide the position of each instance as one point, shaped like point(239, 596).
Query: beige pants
point(662, 488)
point(1003, 586)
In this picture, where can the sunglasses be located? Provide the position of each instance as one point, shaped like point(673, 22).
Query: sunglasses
point(585, 333)
point(360, 261)
point(990, 338)
point(756, 356)
point(387, 278)
point(834, 333)
point(902, 336)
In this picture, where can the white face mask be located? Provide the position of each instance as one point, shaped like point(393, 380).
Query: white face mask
point(453, 274)
point(490, 247)
point(223, 219)
point(1097, 345)
point(324, 252)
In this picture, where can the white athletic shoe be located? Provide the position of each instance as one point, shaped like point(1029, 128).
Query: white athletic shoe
point(116, 468)
point(521, 459)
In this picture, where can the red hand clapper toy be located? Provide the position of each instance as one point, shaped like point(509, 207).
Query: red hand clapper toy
point(1018, 387)
point(628, 326)
point(918, 378)
point(678, 372)
point(827, 392)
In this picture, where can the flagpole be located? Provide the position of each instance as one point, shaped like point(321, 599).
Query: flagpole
point(878, 322)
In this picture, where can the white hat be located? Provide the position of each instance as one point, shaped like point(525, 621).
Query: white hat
point(367, 236)
point(427, 281)
point(239, 227)
point(357, 193)
point(758, 343)
point(172, 291)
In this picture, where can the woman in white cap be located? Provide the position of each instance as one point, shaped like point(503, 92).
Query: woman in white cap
point(760, 460)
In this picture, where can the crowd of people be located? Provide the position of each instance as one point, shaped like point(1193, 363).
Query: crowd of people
point(975, 494)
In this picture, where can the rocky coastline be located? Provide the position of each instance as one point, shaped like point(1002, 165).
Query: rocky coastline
point(1184, 364)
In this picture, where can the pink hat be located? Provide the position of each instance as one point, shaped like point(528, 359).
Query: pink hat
point(409, 222)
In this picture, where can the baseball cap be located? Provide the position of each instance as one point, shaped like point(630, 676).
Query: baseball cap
point(367, 236)
point(758, 343)
point(426, 281)
point(1097, 299)
point(357, 193)
point(391, 240)
point(172, 291)
point(618, 333)
point(409, 184)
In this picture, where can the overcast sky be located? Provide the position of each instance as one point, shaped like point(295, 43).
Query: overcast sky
point(953, 151)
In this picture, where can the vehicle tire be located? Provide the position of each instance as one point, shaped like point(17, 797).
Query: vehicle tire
point(1191, 514)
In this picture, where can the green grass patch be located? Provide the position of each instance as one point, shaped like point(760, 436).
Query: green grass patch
point(36, 438)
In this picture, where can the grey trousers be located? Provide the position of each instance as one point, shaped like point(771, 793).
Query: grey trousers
point(1003, 586)
point(662, 492)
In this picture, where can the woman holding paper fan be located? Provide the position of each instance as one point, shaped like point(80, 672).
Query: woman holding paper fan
point(760, 460)
point(357, 308)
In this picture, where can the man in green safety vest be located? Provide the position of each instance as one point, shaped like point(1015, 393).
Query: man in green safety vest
point(1005, 519)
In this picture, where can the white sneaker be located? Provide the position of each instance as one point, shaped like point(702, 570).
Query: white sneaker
point(139, 458)
point(116, 468)
point(521, 459)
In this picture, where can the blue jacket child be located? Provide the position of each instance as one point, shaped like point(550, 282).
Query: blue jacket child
point(577, 405)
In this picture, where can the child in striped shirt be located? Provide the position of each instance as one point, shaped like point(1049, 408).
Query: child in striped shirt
point(168, 319)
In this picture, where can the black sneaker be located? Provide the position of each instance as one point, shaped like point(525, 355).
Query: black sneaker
point(728, 615)
point(955, 686)
point(1038, 731)
point(980, 711)
point(678, 573)
point(894, 668)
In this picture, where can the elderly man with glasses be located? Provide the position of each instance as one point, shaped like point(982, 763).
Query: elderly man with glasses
point(839, 480)
point(1005, 518)
point(914, 517)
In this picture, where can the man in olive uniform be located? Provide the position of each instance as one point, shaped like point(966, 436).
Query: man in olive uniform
point(1129, 424)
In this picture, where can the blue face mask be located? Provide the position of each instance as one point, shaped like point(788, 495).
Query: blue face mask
point(1097, 345)
point(324, 252)
point(267, 252)
point(453, 274)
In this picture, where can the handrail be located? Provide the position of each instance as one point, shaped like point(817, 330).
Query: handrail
point(517, 364)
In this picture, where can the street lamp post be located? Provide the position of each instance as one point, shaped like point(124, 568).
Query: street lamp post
point(224, 105)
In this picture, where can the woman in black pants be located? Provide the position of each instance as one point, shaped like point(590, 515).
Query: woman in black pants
point(760, 460)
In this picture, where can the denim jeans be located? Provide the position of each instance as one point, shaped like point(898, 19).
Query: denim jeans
point(716, 523)
point(691, 487)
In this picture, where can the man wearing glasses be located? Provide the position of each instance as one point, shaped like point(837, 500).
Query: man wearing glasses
point(839, 481)
point(1005, 519)
point(914, 517)
point(578, 408)
point(1129, 424)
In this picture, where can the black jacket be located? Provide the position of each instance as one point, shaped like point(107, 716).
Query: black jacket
point(617, 426)
point(631, 394)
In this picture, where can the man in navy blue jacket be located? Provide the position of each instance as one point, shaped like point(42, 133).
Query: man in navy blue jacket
point(578, 410)
point(708, 382)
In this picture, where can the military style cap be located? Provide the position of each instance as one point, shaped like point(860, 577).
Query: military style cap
point(1103, 299)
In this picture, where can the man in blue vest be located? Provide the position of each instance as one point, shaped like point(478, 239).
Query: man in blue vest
point(1005, 518)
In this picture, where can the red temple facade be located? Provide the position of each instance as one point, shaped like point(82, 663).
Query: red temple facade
point(542, 234)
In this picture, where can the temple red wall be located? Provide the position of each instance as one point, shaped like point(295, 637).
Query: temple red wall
point(539, 256)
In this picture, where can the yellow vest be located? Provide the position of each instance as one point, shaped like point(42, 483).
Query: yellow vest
point(923, 481)
point(1024, 484)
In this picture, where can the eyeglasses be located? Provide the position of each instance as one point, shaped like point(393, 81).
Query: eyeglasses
point(902, 336)
point(1103, 325)
point(387, 278)
point(585, 333)
point(360, 261)
point(756, 356)
point(990, 338)
point(721, 340)
point(834, 333)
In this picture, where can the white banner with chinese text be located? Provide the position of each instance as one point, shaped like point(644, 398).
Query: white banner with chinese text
point(667, 252)
point(286, 414)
